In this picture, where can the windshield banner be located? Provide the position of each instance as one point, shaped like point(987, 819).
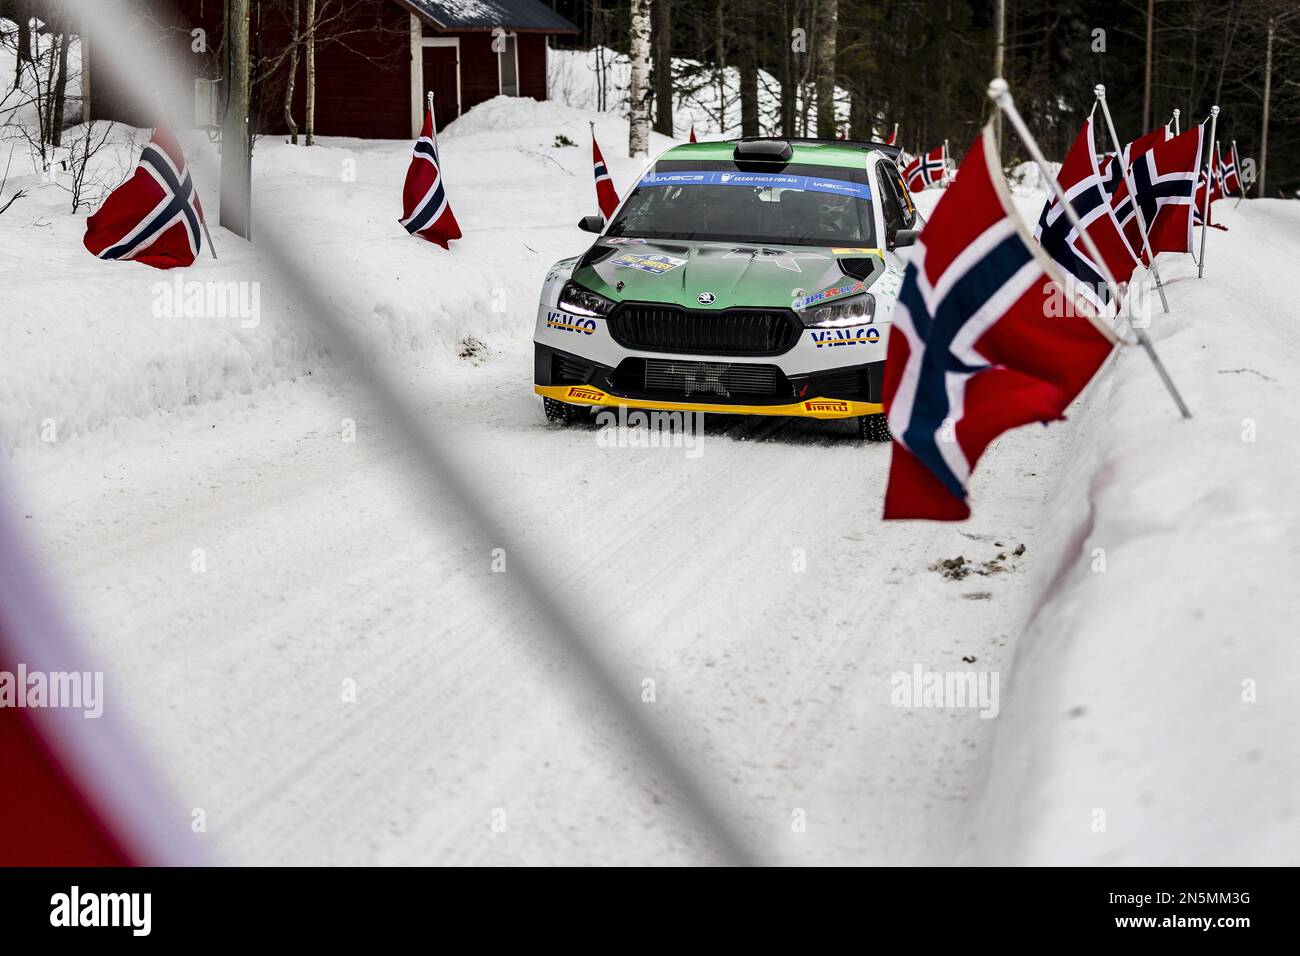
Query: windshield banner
point(838, 187)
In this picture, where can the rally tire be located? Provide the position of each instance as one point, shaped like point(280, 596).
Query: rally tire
point(563, 412)
point(874, 428)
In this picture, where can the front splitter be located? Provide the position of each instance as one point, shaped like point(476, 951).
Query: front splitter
point(809, 408)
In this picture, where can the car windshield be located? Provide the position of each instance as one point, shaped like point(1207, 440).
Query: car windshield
point(800, 205)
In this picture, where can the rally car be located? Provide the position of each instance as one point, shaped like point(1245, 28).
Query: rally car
point(751, 277)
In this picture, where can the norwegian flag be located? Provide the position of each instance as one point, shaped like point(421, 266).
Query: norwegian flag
point(1228, 172)
point(155, 216)
point(1112, 173)
point(976, 346)
point(1216, 164)
point(1082, 184)
point(605, 194)
point(425, 210)
point(1216, 192)
point(693, 139)
point(1165, 179)
point(925, 170)
point(892, 136)
point(1144, 144)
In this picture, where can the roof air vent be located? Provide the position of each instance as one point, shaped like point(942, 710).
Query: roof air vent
point(763, 151)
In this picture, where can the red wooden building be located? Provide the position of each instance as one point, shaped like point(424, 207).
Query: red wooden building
point(374, 62)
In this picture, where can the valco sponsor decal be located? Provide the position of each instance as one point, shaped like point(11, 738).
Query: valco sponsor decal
point(863, 335)
point(570, 323)
point(826, 405)
point(590, 394)
point(856, 251)
point(648, 263)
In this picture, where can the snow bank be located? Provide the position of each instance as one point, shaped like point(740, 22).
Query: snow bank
point(1027, 179)
point(1152, 711)
point(119, 346)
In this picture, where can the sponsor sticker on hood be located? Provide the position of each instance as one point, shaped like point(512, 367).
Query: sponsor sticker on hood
point(657, 264)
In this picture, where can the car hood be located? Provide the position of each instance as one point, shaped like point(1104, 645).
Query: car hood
point(721, 275)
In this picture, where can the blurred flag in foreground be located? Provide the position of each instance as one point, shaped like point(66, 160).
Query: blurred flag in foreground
point(74, 787)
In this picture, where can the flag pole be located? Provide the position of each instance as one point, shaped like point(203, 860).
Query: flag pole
point(212, 246)
point(1177, 113)
point(1100, 91)
point(1241, 181)
point(1209, 187)
point(1001, 95)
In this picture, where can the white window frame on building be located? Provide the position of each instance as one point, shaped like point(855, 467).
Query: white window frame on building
point(512, 42)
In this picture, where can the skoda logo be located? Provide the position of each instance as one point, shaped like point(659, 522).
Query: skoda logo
point(705, 298)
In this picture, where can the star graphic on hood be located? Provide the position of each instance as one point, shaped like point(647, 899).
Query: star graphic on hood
point(782, 258)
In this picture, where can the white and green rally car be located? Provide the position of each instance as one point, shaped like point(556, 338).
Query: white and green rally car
point(751, 277)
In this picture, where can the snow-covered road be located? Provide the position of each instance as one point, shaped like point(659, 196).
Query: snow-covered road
point(324, 563)
point(321, 663)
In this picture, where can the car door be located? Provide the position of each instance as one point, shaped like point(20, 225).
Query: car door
point(896, 212)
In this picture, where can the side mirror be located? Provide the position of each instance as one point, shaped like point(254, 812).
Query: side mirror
point(906, 237)
point(591, 223)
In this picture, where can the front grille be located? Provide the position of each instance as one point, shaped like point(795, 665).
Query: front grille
point(713, 378)
point(665, 328)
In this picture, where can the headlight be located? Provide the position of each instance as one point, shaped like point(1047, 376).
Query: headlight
point(859, 310)
point(574, 298)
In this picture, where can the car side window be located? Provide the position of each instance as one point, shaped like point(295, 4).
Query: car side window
point(890, 207)
point(908, 207)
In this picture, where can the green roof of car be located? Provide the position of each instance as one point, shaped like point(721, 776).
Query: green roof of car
point(810, 153)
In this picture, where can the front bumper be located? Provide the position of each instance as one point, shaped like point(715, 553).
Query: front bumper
point(841, 392)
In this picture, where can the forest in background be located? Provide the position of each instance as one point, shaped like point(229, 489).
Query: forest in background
point(926, 64)
point(923, 64)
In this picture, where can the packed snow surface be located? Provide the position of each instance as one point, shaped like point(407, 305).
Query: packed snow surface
point(320, 663)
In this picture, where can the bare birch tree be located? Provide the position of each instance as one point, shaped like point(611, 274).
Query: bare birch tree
point(662, 18)
point(295, 34)
point(638, 94)
point(236, 186)
point(310, 28)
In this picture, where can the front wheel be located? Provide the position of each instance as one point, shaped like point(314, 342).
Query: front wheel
point(563, 412)
point(874, 428)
